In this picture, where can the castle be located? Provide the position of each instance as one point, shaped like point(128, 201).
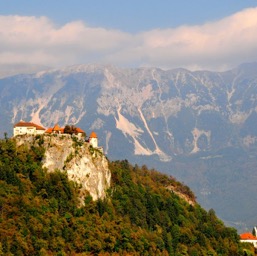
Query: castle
point(22, 128)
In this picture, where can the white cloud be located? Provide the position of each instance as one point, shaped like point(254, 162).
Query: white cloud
point(216, 45)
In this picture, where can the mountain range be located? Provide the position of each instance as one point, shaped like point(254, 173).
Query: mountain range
point(197, 126)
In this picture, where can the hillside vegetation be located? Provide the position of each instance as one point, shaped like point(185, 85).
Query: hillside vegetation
point(39, 213)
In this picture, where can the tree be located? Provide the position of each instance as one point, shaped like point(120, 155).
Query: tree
point(70, 129)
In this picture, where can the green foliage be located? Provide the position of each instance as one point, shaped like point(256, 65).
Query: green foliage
point(40, 139)
point(77, 142)
point(69, 158)
point(69, 129)
point(91, 149)
point(39, 213)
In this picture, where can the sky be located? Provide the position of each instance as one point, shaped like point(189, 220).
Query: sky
point(197, 35)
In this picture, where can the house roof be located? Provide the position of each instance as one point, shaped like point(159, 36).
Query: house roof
point(79, 130)
point(247, 236)
point(28, 124)
point(93, 135)
point(56, 128)
point(49, 130)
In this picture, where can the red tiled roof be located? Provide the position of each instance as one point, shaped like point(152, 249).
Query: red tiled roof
point(79, 130)
point(93, 135)
point(248, 236)
point(38, 127)
point(49, 130)
point(28, 124)
point(56, 128)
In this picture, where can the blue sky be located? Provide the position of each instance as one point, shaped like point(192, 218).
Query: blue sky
point(163, 33)
point(131, 16)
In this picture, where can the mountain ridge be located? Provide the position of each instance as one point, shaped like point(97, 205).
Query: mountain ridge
point(158, 116)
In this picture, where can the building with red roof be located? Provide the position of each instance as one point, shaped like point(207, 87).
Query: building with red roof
point(249, 238)
point(22, 128)
point(61, 130)
point(93, 140)
point(78, 130)
point(56, 129)
point(49, 130)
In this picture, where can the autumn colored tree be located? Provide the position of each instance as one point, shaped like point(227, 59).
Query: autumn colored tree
point(40, 213)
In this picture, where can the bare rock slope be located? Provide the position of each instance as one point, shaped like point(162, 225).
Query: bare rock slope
point(85, 165)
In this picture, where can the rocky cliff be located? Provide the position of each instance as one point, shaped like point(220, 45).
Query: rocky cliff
point(87, 166)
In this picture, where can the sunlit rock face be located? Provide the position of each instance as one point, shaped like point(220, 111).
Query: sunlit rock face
point(87, 166)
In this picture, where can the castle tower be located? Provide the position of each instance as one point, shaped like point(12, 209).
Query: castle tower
point(93, 140)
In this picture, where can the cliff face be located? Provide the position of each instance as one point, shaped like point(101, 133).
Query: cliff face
point(83, 164)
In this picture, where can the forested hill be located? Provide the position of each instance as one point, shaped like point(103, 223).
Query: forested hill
point(141, 215)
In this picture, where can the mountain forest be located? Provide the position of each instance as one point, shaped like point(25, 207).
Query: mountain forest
point(142, 214)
